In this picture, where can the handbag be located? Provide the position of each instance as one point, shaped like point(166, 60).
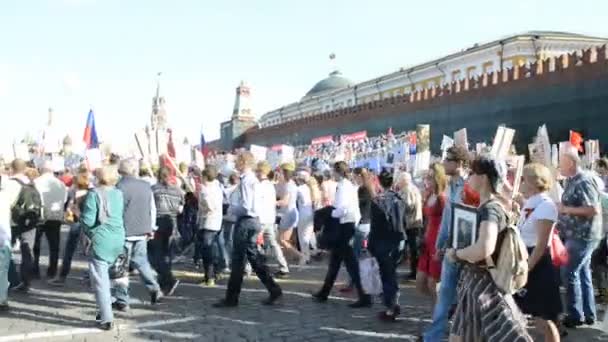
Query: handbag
point(559, 253)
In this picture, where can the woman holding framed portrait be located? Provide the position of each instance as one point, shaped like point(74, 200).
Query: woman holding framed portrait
point(484, 313)
point(429, 266)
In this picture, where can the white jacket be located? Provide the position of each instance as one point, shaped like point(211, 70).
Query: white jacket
point(210, 203)
point(347, 203)
point(54, 196)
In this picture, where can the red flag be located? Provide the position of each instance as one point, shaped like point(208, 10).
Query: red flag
point(576, 139)
point(170, 145)
point(166, 161)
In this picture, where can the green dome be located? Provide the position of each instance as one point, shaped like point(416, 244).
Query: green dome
point(335, 81)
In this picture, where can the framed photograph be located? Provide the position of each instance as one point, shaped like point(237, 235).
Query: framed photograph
point(464, 226)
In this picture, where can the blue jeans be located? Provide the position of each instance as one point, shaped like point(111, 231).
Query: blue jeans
point(100, 282)
point(5, 261)
point(580, 300)
point(450, 274)
point(70, 249)
point(220, 250)
point(138, 253)
point(228, 232)
point(206, 240)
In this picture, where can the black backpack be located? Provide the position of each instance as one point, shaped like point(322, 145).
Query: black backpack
point(27, 211)
point(388, 212)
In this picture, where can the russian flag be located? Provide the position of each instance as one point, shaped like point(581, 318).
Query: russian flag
point(203, 147)
point(90, 133)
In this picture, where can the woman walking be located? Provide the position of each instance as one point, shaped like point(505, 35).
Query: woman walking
point(541, 296)
point(484, 313)
point(287, 191)
point(429, 266)
point(102, 222)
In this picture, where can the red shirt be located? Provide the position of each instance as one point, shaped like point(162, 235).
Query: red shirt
point(470, 196)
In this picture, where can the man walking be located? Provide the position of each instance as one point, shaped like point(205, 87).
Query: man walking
point(23, 226)
point(246, 231)
point(140, 222)
point(169, 201)
point(54, 195)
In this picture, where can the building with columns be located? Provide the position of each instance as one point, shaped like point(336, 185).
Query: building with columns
point(336, 91)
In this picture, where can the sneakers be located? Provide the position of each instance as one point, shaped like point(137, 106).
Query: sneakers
point(208, 283)
point(222, 304)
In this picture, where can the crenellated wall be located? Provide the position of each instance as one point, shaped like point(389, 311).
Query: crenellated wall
point(568, 92)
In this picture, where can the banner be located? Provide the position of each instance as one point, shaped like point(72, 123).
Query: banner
point(446, 143)
point(259, 152)
point(592, 152)
point(358, 136)
point(461, 139)
point(322, 140)
point(502, 142)
point(423, 138)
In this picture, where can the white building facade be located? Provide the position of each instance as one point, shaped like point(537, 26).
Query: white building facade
point(336, 91)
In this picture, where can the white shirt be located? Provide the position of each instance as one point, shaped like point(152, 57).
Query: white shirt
point(304, 200)
point(210, 203)
point(537, 207)
point(347, 203)
point(54, 195)
point(266, 202)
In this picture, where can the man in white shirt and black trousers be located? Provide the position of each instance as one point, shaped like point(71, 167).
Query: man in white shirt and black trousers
point(347, 211)
point(246, 231)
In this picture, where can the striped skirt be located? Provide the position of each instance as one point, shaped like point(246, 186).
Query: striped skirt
point(483, 313)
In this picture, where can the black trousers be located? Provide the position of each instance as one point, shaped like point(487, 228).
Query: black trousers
point(413, 235)
point(26, 239)
point(161, 250)
point(246, 232)
point(52, 231)
point(341, 252)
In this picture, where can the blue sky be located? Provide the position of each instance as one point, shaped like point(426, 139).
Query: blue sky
point(74, 54)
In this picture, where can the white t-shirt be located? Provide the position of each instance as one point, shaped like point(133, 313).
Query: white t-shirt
point(266, 204)
point(537, 207)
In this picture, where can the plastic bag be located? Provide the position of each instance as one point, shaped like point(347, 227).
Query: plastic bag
point(370, 275)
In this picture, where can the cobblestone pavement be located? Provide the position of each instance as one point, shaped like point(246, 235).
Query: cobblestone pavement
point(67, 314)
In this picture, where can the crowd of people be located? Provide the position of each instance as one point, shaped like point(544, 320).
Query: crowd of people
point(127, 221)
